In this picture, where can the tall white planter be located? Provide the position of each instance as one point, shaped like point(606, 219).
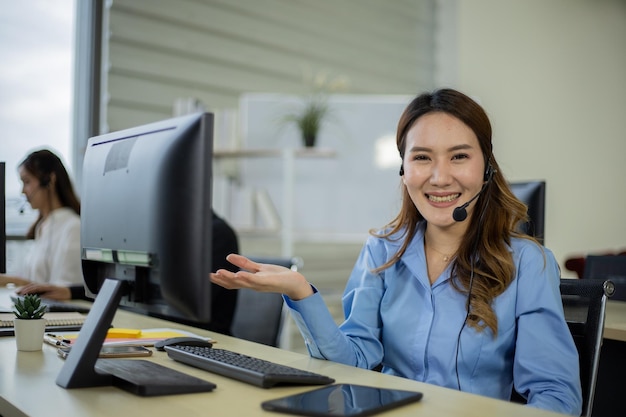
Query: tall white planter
point(29, 334)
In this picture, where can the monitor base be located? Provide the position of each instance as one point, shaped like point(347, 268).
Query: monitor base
point(148, 379)
point(83, 369)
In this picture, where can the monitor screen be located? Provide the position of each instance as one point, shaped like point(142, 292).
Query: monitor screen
point(146, 215)
point(146, 225)
point(533, 194)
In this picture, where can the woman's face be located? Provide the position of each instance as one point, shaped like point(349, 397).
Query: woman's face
point(443, 167)
point(32, 189)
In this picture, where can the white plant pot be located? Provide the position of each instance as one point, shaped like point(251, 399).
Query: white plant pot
point(29, 334)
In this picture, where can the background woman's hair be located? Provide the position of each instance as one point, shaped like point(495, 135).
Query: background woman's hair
point(42, 164)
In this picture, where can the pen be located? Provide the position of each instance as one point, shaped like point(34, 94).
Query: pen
point(55, 340)
point(68, 341)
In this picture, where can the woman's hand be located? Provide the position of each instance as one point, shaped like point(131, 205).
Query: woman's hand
point(263, 277)
point(7, 280)
point(51, 292)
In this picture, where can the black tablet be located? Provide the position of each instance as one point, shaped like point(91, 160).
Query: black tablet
point(342, 400)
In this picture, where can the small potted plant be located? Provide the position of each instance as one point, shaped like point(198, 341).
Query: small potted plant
point(309, 118)
point(29, 323)
point(315, 110)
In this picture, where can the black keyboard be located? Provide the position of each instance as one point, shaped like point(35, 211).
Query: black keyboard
point(56, 306)
point(65, 307)
point(255, 371)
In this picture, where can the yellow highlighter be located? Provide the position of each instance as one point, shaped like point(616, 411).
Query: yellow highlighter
point(114, 333)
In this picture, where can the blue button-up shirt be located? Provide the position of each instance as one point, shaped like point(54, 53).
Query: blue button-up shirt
point(398, 319)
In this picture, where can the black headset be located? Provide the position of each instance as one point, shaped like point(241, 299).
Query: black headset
point(45, 181)
point(489, 172)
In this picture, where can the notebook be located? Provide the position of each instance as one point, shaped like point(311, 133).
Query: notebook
point(55, 322)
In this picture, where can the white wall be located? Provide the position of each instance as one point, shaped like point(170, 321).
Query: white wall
point(552, 76)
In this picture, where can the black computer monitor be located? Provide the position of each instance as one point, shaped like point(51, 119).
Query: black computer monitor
point(533, 194)
point(146, 215)
point(146, 229)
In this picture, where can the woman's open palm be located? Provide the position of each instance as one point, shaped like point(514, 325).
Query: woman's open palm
point(262, 277)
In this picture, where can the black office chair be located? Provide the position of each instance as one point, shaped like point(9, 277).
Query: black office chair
point(584, 303)
point(259, 316)
point(611, 267)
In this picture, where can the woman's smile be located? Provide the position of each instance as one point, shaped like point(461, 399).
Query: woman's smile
point(443, 198)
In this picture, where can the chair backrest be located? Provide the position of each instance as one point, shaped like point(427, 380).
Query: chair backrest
point(611, 267)
point(584, 303)
point(259, 316)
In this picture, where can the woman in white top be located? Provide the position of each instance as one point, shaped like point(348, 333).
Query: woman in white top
point(53, 267)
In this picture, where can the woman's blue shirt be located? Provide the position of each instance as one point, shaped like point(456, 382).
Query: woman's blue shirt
point(396, 318)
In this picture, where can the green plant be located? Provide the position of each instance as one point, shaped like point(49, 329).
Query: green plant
point(310, 118)
point(314, 109)
point(29, 307)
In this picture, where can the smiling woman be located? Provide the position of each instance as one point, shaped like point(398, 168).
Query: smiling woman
point(460, 303)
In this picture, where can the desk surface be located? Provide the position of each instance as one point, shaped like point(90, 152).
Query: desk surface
point(615, 321)
point(28, 388)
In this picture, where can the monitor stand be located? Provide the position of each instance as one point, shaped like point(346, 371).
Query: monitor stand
point(83, 369)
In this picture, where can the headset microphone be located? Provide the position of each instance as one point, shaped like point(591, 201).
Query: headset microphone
point(23, 206)
point(460, 213)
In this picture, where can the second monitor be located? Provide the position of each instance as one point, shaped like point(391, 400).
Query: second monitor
point(533, 194)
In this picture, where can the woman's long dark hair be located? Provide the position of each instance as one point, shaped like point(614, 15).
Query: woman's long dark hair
point(485, 246)
point(42, 164)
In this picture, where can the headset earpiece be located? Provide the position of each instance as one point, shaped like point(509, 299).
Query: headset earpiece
point(401, 170)
point(489, 172)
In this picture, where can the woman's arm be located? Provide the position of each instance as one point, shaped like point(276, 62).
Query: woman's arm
point(52, 292)
point(12, 279)
point(357, 341)
point(546, 366)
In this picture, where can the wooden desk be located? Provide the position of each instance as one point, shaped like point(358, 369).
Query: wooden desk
point(28, 388)
point(615, 321)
